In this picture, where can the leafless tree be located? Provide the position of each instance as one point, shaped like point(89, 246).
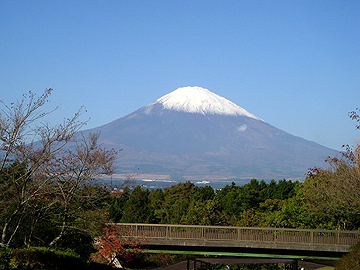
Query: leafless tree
point(27, 146)
point(74, 174)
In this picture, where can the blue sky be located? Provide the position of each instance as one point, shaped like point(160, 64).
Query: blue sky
point(295, 64)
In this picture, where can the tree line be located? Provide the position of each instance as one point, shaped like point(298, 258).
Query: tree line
point(256, 204)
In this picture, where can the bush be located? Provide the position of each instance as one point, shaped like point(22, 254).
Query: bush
point(5, 257)
point(80, 243)
point(45, 258)
point(42, 258)
point(350, 261)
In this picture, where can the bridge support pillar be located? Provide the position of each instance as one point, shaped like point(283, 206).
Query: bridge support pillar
point(295, 265)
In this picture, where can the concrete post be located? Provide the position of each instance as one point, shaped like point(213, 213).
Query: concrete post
point(295, 265)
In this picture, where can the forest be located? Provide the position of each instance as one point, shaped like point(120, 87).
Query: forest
point(280, 204)
point(53, 206)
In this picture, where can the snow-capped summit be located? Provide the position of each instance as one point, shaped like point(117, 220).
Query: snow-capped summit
point(195, 99)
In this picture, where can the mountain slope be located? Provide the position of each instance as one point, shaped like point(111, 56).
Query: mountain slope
point(194, 132)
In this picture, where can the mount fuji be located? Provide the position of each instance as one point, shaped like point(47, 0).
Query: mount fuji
point(194, 133)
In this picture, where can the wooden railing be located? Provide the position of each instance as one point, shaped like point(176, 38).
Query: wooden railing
point(241, 234)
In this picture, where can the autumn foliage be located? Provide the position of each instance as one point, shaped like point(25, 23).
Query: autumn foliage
point(118, 243)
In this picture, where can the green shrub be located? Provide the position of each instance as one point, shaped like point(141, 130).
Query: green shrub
point(5, 257)
point(45, 258)
point(80, 243)
point(41, 258)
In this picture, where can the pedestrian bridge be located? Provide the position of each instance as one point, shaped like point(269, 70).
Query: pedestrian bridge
point(241, 237)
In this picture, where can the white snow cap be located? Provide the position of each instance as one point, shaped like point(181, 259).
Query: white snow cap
point(195, 99)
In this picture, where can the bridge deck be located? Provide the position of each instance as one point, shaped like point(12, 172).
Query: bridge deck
point(222, 236)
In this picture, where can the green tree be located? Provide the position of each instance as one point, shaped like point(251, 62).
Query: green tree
point(136, 209)
point(229, 199)
point(117, 204)
point(177, 201)
point(203, 193)
point(156, 202)
point(296, 213)
point(204, 208)
point(202, 213)
point(284, 189)
point(251, 194)
point(252, 218)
